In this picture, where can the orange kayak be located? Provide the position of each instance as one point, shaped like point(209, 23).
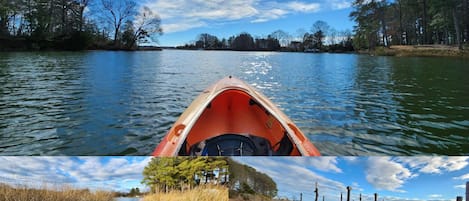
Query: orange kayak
point(230, 118)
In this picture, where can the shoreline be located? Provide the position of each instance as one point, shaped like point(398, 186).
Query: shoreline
point(420, 51)
point(395, 50)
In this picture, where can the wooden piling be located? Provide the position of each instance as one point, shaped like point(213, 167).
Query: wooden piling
point(316, 193)
point(348, 192)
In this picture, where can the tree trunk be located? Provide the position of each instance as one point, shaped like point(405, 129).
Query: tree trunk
point(382, 13)
point(116, 34)
point(456, 27)
point(466, 20)
point(401, 30)
point(425, 24)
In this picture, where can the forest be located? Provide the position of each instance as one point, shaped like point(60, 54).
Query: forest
point(185, 173)
point(279, 40)
point(107, 24)
point(75, 24)
point(410, 22)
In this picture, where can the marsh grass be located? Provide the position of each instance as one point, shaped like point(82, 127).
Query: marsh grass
point(56, 193)
point(203, 193)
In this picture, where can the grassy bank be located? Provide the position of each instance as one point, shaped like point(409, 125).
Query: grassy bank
point(246, 197)
point(24, 193)
point(208, 193)
point(422, 51)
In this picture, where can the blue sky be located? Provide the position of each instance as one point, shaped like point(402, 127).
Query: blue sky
point(393, 178)
point(183, 20)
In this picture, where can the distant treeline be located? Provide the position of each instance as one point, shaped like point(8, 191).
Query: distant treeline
point(410, 22)
point(185, 173)
point(75, 24)
point(314, 41)
point(245, 180)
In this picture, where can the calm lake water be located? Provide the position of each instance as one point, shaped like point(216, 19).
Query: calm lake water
point(122, 103)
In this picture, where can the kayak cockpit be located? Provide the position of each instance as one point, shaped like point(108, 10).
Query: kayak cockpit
point(233, 123)
point(238, 145)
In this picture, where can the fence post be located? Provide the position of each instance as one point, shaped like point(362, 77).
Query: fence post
point(316, 192)
point(348, 192)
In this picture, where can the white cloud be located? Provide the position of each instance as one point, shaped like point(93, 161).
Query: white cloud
point(328, 164)
point(463, 177)
point(435, 165)
point(181, 15)
point(303, 7)
point(356, 186)
point(386, 174)
point(435, 196)
point(271, 14)
point(462, 186)
point(340, 4)
point(86, 172)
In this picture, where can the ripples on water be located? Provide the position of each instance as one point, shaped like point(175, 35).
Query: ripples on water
point(122, 103)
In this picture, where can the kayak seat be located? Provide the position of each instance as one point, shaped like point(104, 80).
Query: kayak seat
point(183, 150)
point(285, 146)
point(232, 145)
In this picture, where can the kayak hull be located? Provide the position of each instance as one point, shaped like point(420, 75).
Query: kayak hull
point(232, 118)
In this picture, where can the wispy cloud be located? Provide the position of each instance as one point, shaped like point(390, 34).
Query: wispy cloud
point(339, 4)
point(463, 177)
point(386, 174)
point(435, 165)
point(181, 15)
point(303, 7)
point(392, 173)
point(295, 175)
point(113, 173)
point(327, 164)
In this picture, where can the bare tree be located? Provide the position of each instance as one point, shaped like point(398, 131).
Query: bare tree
point(80, 12)
point(282, 36)
point(117, 13)
point(146, 24)
point(332, 36)
point(300, 33)
point(320, 26)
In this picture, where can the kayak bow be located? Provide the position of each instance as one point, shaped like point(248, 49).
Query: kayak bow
point(230, 118)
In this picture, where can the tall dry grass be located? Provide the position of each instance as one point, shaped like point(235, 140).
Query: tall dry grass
point(203, 193)
point(25, 193)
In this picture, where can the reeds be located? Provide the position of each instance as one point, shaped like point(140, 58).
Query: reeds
point(203, 193)
point(25, 193)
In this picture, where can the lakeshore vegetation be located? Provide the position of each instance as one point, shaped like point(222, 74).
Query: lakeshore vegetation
point(122, 25)
point(207, 176)
point(75, 24)
point(25, 193)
